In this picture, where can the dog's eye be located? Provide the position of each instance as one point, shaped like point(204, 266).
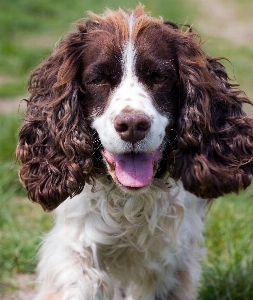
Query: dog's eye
point(158, 78)
point(99, 80)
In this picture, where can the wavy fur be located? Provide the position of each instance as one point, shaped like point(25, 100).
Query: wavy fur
point(55, 146)
point(213, 151)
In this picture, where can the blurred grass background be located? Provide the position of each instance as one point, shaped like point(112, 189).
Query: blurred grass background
point(28, 32)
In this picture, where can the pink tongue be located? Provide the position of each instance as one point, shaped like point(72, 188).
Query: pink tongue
point(133, 170)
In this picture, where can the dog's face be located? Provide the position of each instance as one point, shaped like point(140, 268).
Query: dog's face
point(131, 94)
point(143, 93)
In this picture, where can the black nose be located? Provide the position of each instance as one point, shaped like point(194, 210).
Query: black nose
point(132, 127)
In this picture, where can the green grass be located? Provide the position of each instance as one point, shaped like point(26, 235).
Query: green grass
point(28, 32)
point(227, 272)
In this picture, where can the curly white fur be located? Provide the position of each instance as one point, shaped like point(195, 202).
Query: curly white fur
point(111, 245)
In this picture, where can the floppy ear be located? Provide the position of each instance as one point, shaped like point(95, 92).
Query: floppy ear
point(213, 153)
point(55, 146)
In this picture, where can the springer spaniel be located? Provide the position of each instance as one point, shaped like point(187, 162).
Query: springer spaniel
point(131, 130)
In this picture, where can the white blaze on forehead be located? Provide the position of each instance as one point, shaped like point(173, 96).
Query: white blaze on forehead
point(130, 94)
point(131, 21)
point(129, 54)
point(130, 88)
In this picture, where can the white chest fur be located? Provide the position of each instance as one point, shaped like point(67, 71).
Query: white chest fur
point(138, 239)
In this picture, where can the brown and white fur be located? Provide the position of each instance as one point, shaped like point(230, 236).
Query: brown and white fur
point(131, 129)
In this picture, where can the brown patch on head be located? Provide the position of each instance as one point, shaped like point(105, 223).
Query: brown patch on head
point(118, 22)
point(113, 20)
point(142, 20)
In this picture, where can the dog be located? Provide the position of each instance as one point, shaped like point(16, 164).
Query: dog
point(131, 131)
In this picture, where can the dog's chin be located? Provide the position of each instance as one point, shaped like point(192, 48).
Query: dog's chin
point(132, 172)
point(133, 191)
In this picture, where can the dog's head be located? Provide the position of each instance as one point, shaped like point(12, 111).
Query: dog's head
point(134, 96)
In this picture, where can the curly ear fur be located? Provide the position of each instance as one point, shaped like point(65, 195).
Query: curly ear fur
point(55, 146)
point(213, 153)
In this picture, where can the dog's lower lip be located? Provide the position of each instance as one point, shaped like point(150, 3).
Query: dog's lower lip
point(132, 188)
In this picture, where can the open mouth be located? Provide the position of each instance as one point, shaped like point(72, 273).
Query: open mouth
point(133, 170)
